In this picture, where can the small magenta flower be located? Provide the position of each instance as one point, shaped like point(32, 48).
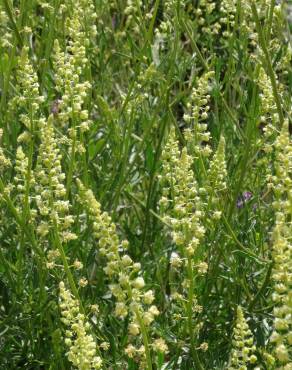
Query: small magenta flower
point(239, 202)
point(247, 195)
point(244, 198)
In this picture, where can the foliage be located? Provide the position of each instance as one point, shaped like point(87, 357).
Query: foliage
point(145, 184)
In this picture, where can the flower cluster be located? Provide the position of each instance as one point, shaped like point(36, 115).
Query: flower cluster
point(183, 211)
point(82, 348)
point(87, 11)
point(217, 178)
point(275, 43)
point(5, 31)
point(70, 66)
point(228, 12)
point(227, 19)
point(181, 202)
point(205, 13)
point(4, 161)
point(282, 272)
point(199, 107)
point(242, 353)
point(141, 91)
point(53, 256)
point(24, 181)
point(50, 190)
point(28, 98)
point(286, 60)
point(125, 281)
point(166, 27)
point(133, 11)
point(269, 114)
point(165, 31)
point(217, 173)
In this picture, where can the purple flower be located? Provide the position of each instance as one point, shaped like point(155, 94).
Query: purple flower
point(55, 107)
point(244, 198)
point(239, 202)
point(246, 195)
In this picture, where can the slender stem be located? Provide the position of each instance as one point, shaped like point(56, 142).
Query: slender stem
point(142, 328)
point(194, 44)
point(206, 67)
point(152, 181)
point(26, 216)
point(141, 18)
point(5, 89)
point(66, 266)
point(190, 315)
point(270, 20)
point(71, 164)
point(144, 207)
point(269, 66)
point(26, 209)
point(27, 230)
point(11, 18)
point(145, 340)
point(263, 287)
point(151, 27)
point(240, 245)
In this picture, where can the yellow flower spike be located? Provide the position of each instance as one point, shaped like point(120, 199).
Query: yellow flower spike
point(242, 352)
point(82, 350)
point(49, 186)
point(4, 161)
point(282, 249)
point(129, 290)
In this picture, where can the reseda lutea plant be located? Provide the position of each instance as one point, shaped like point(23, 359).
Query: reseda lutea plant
point(145, 185)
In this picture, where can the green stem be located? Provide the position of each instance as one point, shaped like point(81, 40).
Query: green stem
point(66, 266)
point(190, 315)
point(270, 20)
point(206, 68)
point(145, 340)
point(269, 66)
point(144, 207)
point(11, 18)
point(239, 244)
point(26, 229)
point(142, 328)
point(4, 92)
point(71, 165)
point(263, 287)
point(26, 209)
point(151, 27)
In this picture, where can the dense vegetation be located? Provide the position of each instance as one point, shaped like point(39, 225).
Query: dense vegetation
point(145, 184)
